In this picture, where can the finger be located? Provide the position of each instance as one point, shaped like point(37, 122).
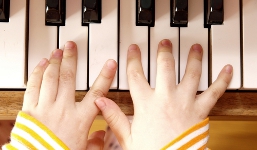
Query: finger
point(166, 75)
point(96, 141)
point(50, 79)
point(136, 77)
point(209, 97)
point(100, 88)
point(67, 77)
point(193, 72)
point(115, 118)
point(32, 92)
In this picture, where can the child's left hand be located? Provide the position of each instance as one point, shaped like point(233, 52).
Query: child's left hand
point(50, 97)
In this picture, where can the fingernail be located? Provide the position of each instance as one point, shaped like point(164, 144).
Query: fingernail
point(228, 69)
point(132, 47)
point(100, 103)
point(197, 48)
point(57, 53)
point(166, 42)
point(43, 62)
point(69, 45)
point(111, 64)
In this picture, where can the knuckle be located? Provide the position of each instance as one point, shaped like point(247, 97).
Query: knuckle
point(97, 93)
point(166, 63)
point(194, 74)
point(67, 75)
point(49, 75)
point(216, 93)
point(31, 87)
point(106, 76)
point(112, 119)
point(134, 74)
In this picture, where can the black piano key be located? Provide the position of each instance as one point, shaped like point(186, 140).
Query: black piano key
point(145, 13)
point(214, 13)
point(91, 11)
point(4, 10)
point(178, 13)
point(55, 12)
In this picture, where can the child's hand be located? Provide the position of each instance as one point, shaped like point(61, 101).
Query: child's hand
point(163, 113)
point(50, 97)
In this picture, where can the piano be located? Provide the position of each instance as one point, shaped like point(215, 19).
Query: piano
point(103, 29)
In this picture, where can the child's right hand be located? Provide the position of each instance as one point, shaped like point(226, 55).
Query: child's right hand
point(163, 113)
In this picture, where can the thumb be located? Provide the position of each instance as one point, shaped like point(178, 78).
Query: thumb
point(96, 141)
point(115, 118)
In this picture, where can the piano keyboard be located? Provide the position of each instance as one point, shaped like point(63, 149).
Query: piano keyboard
point(25, 38)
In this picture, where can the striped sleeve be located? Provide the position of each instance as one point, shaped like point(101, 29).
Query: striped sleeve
point(194, 138)
point(29, 133)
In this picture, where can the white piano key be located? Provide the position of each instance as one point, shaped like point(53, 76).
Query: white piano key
point(103, 40)
point(73, 31)
point(42, 39)
point(194, 33)
point(162, 30)
point(249, 44)
point(131, 34)
point(225, 43)
point(12, 47)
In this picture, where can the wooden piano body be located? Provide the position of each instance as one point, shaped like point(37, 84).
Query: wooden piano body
point(238, 105)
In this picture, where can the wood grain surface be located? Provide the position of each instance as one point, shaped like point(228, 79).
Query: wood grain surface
point(240, 104)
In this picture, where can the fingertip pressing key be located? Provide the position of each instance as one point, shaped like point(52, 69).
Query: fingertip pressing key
point(43, 62)
point(166, 42)
point(69, 45)
point(228, 69)
point(197, 48)
point(133, 47)
point(111, 64)
point(57, 53)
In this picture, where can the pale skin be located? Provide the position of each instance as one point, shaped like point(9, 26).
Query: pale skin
point(50, 98)
point(161, 114)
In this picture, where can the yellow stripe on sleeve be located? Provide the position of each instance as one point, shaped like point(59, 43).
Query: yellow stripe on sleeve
point(34, 135)
point(9, 147)
point(44, 128)
point(204, 147)
point(194, 140)
point(23, 141)
point(190, 130)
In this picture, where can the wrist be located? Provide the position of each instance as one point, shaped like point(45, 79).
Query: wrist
point(195, 137)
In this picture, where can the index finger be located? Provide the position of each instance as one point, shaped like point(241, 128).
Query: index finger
point(100, 87)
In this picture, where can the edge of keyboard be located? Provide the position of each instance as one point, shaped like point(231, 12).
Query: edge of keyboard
point(235, 105)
